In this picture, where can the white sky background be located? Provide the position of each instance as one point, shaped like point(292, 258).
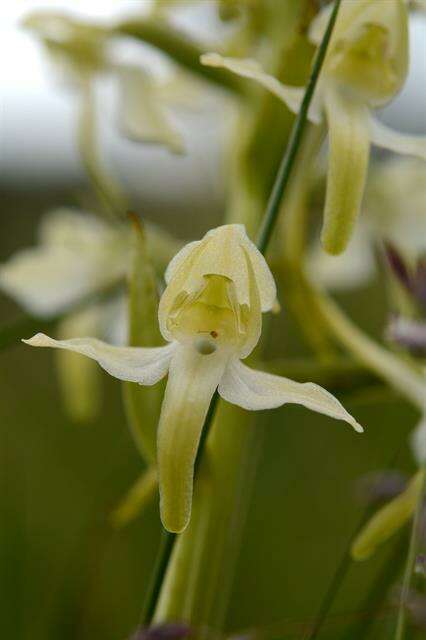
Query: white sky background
point(37, 118)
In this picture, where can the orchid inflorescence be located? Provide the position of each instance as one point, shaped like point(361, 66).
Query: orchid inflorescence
point(209, 295)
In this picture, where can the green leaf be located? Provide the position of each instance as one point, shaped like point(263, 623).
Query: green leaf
point(143, 404)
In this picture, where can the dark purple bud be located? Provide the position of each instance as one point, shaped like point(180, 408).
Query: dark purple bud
point(408, 333)
point(172, 631)
point(380, 486)
point(398, 265)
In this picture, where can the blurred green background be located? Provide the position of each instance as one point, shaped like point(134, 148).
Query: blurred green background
point(67, 574)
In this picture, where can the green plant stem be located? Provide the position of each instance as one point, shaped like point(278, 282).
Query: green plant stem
point(167, 543)
point(287, 163)
point(108, 192)
point(409, 567)
point(346, 561)
point(375, 597)
point(338, 576)
point(179, 48)
point(400, 375)
point(293, 237)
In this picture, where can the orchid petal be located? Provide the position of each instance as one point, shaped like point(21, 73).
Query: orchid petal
point(78, 255)
point(319, 24)
point(256, 390)
point(221, 252)
point(176, 262)
point(368, 50)
point(347, 171)
point(134, 364)
point(142, 113)
point(387, 138)
point(388, 520)
point(251, 69)
point(254, 323)
point(192, 381)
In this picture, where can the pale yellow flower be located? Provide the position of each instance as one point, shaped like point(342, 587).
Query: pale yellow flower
point(210, 314)
point(365, 67)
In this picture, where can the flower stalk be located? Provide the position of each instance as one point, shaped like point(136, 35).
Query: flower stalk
point(108, 192)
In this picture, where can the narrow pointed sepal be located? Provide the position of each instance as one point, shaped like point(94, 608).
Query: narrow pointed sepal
point(134, 364)
point(192, 381)
point(251, 69)
point(388, 520)
point(256, 390)
point(402, 143)
point(349, 142)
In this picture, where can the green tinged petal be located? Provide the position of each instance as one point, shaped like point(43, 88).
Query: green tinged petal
point(143, 115)
point(347, 169)
point(388, 520)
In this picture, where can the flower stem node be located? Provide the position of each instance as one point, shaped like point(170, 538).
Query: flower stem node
point(211, 316)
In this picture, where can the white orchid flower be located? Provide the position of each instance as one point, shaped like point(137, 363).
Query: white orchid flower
point(77, 255)
point(80, 52)
point(210, 314)
point(365, 67)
